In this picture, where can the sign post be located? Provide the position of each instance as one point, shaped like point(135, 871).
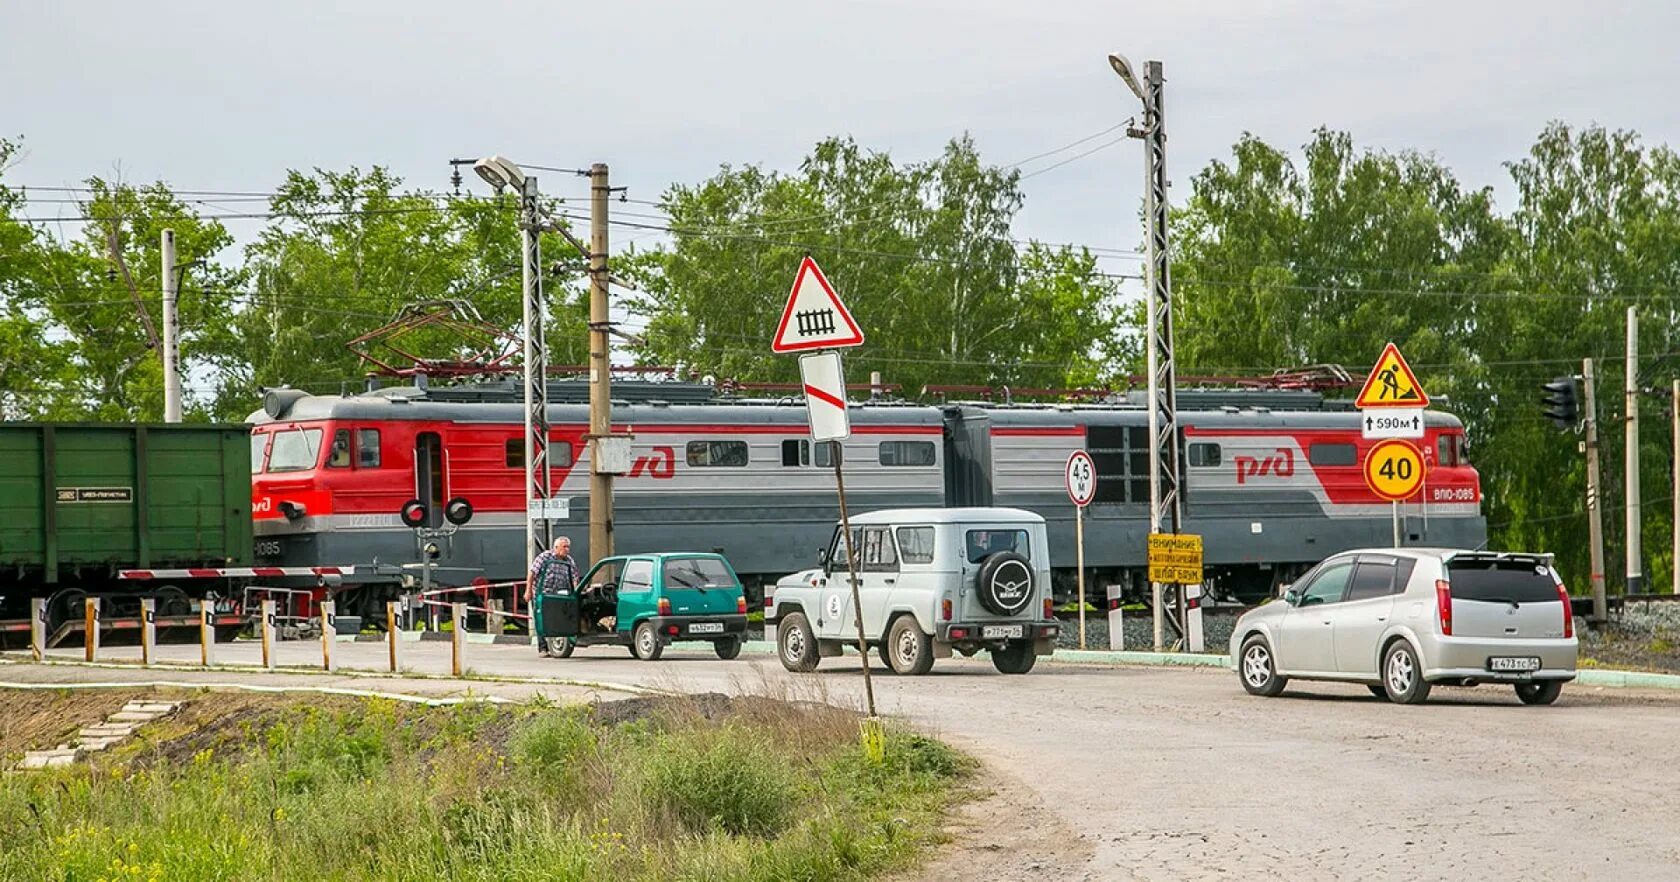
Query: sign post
point(91, 635)
point(815, 319)
point(329, 628)
point(38, 627)
point(1081, 479)
point(148, 629)
point(1391, 405)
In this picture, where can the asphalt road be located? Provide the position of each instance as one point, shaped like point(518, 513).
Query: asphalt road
point(1154, 773)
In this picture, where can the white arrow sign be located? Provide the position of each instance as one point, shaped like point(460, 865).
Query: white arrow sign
point(825, 396)
point(1391, 422)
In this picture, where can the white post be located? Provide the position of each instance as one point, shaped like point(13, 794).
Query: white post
point(268, 635)
point(329, 628)
point(391, 632)
point(1079, 562)
point(206, 633)
point(1194, 641)
point(1395, 511)
point(769, 609)
point(148, 629)
point(1116, 618)
point(1635, 566)
point(38, 627)
point(457, 637)
point(171, 334)
point(90, 636)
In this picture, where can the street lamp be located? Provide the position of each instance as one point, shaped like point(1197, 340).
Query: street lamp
point(1164, 497)
point(503, 175)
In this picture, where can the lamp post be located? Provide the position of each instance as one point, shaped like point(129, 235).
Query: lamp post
point(1164, 497)
point(502, 175)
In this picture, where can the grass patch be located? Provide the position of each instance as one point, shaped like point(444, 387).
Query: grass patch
point(708, 788)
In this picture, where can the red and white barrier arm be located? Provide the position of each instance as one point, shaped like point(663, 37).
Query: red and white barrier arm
point(232, 573)
point(504, 613)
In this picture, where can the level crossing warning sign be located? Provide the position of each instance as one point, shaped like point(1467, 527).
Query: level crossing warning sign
point(1391, 383)
point(825, 396)
point(814, 317)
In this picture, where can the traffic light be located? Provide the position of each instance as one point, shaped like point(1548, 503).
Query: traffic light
point(1562, 402)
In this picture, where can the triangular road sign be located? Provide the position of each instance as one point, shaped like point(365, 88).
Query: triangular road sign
point(814, 317)
point(1392, 383)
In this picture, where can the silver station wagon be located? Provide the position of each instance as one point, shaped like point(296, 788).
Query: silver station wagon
point(1402, 619)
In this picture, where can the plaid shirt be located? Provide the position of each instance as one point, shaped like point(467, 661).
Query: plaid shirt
point(559, 574)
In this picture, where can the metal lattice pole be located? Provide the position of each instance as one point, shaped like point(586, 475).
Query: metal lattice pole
point(1164, 496)
point(537, 529)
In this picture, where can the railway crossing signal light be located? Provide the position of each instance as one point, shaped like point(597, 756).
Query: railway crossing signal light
point(1562, 401)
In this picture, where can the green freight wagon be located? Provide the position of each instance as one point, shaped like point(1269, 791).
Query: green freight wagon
point(79, 502)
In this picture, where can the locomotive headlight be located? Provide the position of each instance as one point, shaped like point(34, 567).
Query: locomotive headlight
point(432, 550)
point(293, 510)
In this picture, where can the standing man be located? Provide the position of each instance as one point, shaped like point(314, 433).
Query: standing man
point(552, 572)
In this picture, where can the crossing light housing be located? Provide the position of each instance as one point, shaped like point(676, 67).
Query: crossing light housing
point(1561, 402)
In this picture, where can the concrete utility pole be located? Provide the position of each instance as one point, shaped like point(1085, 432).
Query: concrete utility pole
point(1165, 511)
point(1595, 511)
point(1635, 570)
point(600, 369)
point(171, 333)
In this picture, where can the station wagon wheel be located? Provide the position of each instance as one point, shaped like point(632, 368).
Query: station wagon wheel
point(564, 646)
point(645, 643)
point(1403, 675)
point(796, 644)
point(1539, 692)
point(1258, 671)
point(728, 648)
point(910, 650)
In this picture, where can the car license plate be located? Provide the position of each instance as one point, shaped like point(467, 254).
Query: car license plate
point(1514, 663)
point(991, 632)
point(706, 628)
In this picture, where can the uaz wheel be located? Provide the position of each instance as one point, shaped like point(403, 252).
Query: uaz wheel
point(796, 644)
point(1257, 670)
point(645, 643)
point(1403, 675)
point(909, 650)
point(1016, 658)
point(1539, 692)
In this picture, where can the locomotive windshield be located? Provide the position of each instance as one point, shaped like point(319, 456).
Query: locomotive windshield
point(294, 451)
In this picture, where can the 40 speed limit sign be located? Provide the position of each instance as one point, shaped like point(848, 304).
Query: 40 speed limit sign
point(1394, 470)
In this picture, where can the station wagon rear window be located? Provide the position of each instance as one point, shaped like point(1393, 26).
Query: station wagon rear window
point(906, 453)
point(981, 544)
point(295, 450)
point(1501, 581)
point(697, 572)
point(717, 453)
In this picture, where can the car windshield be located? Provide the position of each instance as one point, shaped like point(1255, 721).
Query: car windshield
point(697, 572)
point(1501, 581)
point(982, 544)
point(295, 450)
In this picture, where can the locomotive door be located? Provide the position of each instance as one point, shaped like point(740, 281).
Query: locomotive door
point(430, 476)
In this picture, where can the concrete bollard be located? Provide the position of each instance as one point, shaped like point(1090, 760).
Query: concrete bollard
point(268, 635)
point(457, 637)
point(206, 632)
point(329, 629)
point(38, 627)
point(1193, 635)
point(1116, 619)
point(148, 629)
point(391, 632)
point(90, 636)
point(493, 619)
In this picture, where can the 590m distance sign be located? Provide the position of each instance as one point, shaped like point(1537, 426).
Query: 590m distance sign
point(1394, 470)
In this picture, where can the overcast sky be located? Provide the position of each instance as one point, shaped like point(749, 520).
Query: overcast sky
point(226, 96)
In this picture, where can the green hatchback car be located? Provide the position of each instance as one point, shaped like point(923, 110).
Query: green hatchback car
point(648, 601)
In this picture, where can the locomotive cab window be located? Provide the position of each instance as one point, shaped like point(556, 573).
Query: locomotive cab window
point(717, 453)
point(1203, 455)
point(367, 448)
point(295, 450)
point(1451, 451)
point(906, 453)
point(1333, 455)
point(339, 458)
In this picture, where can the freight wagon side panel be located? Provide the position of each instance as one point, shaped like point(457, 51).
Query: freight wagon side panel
point(23, 525)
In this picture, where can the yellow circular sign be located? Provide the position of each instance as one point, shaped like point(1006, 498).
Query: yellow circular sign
point(1394, 469)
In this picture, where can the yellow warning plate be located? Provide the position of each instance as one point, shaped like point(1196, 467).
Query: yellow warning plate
point(1392, 383)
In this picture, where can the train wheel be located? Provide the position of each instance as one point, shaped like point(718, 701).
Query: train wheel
point(65, 605)
point(172, 601)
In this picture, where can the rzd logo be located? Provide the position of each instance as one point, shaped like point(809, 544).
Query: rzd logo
point(1282, 465)
point(661, 465)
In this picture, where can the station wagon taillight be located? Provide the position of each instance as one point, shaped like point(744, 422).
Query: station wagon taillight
point(741, 604)
point(664, 606)
point(1568, 608)
point(1443, 606)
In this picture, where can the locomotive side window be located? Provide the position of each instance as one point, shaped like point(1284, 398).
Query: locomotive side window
point(796, 452)
point(906, 453)
point(1333, 455)
point(717, 453)
point(340, 456)
point(513, 453)
point(1121, 455)
point(1452, 451)
point(1203, 455)
point(367, 448)
point(823, 457)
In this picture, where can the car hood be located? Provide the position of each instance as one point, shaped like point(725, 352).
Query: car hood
point(803, 577)
point(1272, 610)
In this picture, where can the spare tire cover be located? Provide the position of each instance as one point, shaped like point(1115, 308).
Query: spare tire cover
point(1005, 583)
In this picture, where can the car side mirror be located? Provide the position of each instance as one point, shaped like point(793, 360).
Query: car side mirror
point(1291, 596)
